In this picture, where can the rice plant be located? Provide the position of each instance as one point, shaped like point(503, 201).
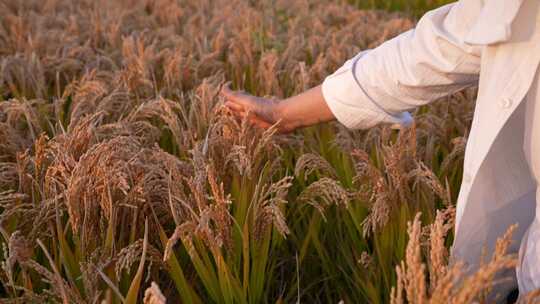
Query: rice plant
point(123, 179)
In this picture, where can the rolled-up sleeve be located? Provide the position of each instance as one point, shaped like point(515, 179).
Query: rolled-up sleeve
point(410, 70)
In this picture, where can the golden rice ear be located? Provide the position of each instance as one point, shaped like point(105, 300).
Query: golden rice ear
point(438, 252)
point(448, 283)
point(310, 162)
point(424, 175)
point(139, 57)
point(23, 74)
point(267, 208)
point(126, 92)
point(20, 249)
point(530, 298)
point(168, 113)
point(268, 68)
point(379, 213)
point(153, 295)
point(22, 123)
point(325, 192)
point(457, 153)
point(9, 175)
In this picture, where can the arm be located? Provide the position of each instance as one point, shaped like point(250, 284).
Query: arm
point(305, 109)
point(378, 85)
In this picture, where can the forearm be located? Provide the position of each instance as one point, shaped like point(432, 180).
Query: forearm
point(417, 67)
point(382, 84)
point(303, 110)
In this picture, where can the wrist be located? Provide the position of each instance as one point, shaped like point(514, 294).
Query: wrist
point(281, 112)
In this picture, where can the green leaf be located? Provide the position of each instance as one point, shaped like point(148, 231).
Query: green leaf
point(133, 292)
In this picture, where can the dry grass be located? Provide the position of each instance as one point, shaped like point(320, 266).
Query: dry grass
point(447, 283)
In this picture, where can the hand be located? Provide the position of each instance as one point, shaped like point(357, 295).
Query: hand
point(303, 110)
point(261, 112)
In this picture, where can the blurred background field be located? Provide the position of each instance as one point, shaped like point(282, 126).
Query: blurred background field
point(415, 8)
point(124, 180)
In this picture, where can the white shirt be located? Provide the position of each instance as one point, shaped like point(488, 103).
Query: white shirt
point(492, 44)
point(528, 270)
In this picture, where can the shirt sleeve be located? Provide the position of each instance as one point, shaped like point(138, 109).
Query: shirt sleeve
point(413, 69)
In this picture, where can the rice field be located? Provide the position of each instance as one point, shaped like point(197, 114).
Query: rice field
point(124, 179)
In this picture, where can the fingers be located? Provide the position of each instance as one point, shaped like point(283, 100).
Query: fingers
point(236, 97)
point(243, 106)
point(234, 106)
point(228, 93)
point(259, 123)
point(252, 118)
point(231, 100)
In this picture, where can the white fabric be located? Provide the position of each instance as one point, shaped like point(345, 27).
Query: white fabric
point(494, 44)
point(528, 270)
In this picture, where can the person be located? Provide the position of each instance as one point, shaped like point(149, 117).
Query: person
point(492, 44)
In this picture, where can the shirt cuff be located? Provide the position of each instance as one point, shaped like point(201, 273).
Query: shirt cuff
point(351, 104)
